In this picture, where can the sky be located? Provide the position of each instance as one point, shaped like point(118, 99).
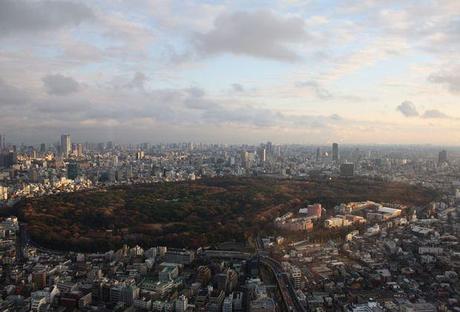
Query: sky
point(287, 71)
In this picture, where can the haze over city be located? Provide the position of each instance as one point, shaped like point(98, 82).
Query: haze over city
point(369, 72)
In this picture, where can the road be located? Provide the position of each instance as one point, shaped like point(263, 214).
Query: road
point(287, 290)
point(285, 285)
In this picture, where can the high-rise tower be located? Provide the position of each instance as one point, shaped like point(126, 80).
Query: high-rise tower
point(66, 146)
point(442, 157)
point(335, 151)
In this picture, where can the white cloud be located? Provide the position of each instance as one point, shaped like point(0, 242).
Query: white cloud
point(117, 50)
point(259, 34)
point(138, 81)
point(11, 95)
point(58, 84)
point(20, 16)
point(434, 113)
point(319, 91)
point(451, 79)
point(408, 109)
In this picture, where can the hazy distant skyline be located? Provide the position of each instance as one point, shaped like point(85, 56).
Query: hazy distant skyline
point(384, 72)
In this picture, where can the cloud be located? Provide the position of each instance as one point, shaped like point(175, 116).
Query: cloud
point(408, 109)
point(81, 52)
point(336, 117)
point(319, 91)
point(236, 87)
point(259, 34)
point(20, 16)
point(337, 52)
point(10, 95)
point(196, 92)
point(138, 81)
point(60, 85)
point(195, 99)
point(450, 79)
point(434, 113)
point(188, 107)
point(129, 38)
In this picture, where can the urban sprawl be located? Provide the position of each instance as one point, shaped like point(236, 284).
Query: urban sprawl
point(371, 256)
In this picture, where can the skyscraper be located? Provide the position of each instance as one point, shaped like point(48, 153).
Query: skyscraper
point(244, 159)
point(2, 142)
point(66, 146)
point(442, 157)
point(261, 154)
point(335, 152)
point(318, 153)
point(73, 170)
point(8, 159)
point(269, 148)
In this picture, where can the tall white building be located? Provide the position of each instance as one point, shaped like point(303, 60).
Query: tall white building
point(181, 304)
point(228, 304)
point(296, 276)
point(261, 154)
point(66, 146)
point(238, 301)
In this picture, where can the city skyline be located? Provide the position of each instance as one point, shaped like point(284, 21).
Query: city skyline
point(231, 72)
point(57, 142)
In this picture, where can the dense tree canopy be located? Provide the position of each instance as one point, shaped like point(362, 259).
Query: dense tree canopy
point(191, 214)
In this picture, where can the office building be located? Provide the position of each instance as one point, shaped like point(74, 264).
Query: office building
point(73, 170)
point(140, 155)
point(244, 159)
point(238, 301)
point(216, 300)
point(263, 304)
point(297, 277)
point(181, 304)
point(335, 152)
point(228, 304)
point(261, 154)
point(66, 146)
point(77, 150)
point(39, 279)
point(124, 293)
point(8, 159)
point(442, 157)
point(269, 148)
point(311, 211)
point(181, 256)
point(34, 176)
point(203, 275)
point(100, 147)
